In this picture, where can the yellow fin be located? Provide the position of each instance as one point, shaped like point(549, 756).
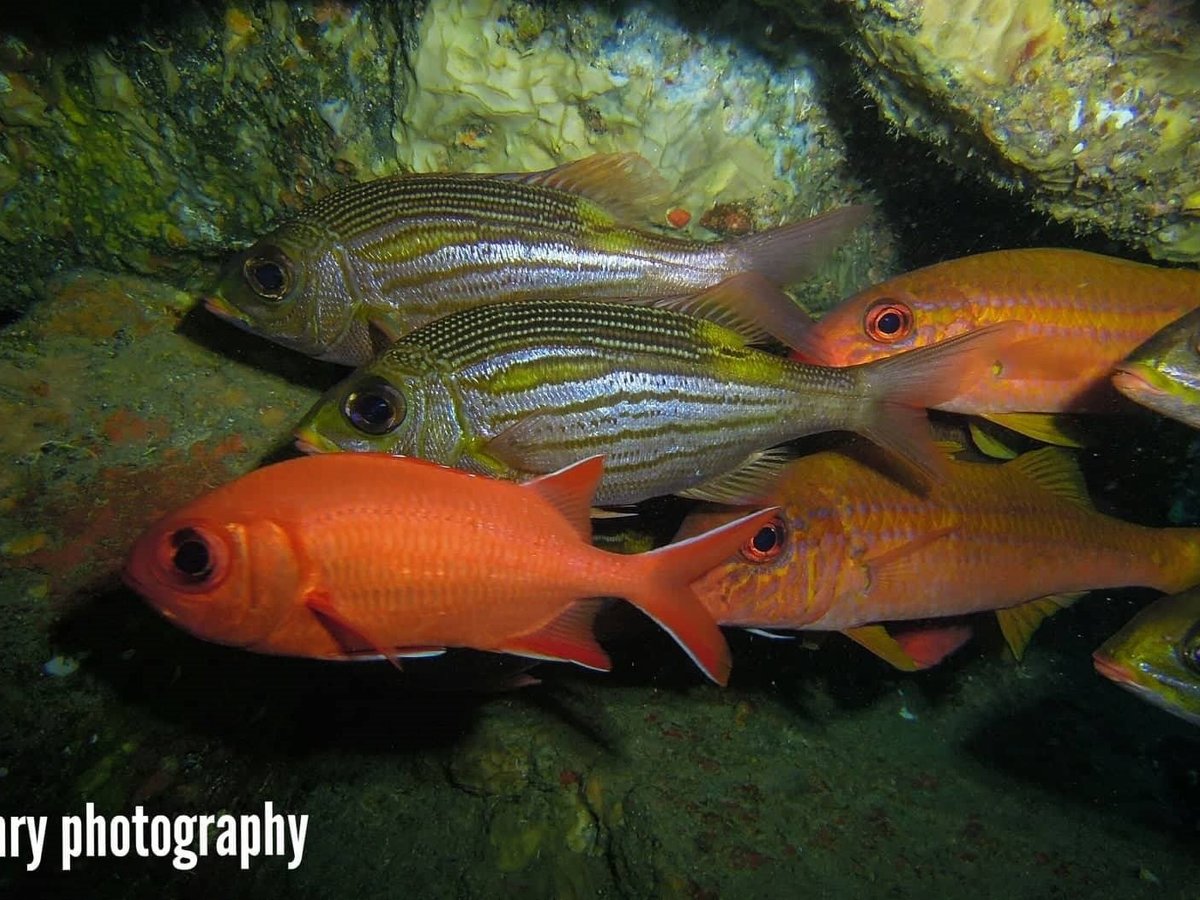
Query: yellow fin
point(1049, 428)
point(949, 447)
point(1018, 623)
point(1055, 470)
point(989, 443)
point(748, 483)
point(625, 185)
point(876, 639)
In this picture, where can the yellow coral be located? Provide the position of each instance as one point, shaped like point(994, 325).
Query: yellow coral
point(542, 104)
point(987, 41)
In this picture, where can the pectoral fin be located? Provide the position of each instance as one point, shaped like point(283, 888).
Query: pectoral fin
point(900, 566)
point(746, 485)
point(384, 332)
point(355, 640)
point(750, 304)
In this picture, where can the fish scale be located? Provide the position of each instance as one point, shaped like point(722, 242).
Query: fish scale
point(356, 556)
point(373, 261)
point(859, 549)
point(1080, 313)
point(674, 403)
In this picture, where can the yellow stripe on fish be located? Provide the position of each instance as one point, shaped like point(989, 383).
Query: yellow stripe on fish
point(373, 261)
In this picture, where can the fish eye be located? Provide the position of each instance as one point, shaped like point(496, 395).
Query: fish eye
point(1189, 650)
point(375, 407)
point(767, 542)
point(888, 321)
point(192, 560)
point(268, 274)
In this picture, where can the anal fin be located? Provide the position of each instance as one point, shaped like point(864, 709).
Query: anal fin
point(568, 638)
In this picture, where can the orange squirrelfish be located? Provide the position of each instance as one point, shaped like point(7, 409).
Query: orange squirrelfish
point(1080, 314)
point(363, 555)
point(850, 549)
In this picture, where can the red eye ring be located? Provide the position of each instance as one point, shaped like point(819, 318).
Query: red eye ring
point(768, 542)
point(888, 321)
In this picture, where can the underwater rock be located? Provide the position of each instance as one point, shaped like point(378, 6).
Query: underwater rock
point(1091, 111)
point(162, 144)
point(150, 150)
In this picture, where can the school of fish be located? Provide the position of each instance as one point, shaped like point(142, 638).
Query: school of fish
point(529, 347)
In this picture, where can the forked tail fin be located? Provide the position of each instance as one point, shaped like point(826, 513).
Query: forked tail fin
point(660, 585)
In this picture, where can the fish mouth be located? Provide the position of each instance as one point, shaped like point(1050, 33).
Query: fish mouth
point(1111, 669)
point(220, 308)
point(1135, 380)
point(308, 441)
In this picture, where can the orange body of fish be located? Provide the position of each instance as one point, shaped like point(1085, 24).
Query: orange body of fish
point(1079, 314)
point(851, 547)
point(344, 556)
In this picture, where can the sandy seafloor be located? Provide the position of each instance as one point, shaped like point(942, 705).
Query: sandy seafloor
point(818, 772)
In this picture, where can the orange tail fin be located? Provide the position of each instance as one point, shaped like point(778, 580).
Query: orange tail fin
point(660, 586)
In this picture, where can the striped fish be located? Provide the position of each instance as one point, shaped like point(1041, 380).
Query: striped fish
point(369, 263)
point(676, 404)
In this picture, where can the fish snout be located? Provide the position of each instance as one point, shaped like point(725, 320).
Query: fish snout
point(1111, 669)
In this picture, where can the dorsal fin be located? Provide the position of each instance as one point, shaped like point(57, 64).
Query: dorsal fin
point(750, 304)
point(570, 491)
point(1056, 471)
point(624, 184)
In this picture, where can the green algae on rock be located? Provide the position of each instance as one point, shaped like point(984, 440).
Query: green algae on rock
point(159, 151)
point(152, 152)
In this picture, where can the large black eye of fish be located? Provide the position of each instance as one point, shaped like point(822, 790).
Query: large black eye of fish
point(888, 321)
point(767, 543)
point(374, 407)
point(269, 274)
point(192, 560)
point(1189, 650)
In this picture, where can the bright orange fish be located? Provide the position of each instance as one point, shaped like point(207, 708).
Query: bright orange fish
point(365, 555)
point(1079, 313)
point(850, 548)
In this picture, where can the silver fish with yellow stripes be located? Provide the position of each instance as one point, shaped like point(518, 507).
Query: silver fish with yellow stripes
point(371, 262)
point(676, 404)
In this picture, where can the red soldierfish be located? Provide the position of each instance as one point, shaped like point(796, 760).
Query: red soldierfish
point(348, 555)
